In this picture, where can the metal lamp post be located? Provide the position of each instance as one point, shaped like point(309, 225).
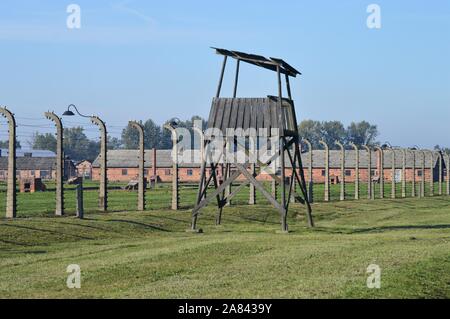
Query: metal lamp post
point(103, 190)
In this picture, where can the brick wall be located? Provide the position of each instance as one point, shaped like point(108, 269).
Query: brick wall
point(192, 175)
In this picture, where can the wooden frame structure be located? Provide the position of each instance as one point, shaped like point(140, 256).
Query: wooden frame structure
point(275, 116)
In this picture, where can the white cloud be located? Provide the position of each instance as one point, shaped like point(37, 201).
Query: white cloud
point(123, 6)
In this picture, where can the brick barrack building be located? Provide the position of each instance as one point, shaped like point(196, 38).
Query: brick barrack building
point(123, 166)
point(35, 164)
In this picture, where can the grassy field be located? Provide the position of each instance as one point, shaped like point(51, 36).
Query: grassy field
point(149, 254)
point(43, 203)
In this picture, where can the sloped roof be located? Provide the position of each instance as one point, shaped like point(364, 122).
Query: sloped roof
point(129, 159)
point(350, 159)
point(30, 163)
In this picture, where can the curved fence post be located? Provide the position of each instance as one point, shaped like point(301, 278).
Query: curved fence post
point(103, 190)
point(422, 179)
point(175, 179)
point(447, 168)
point(142, 185)
point(413, 185)
point(369, 171)
point(11, 191)
point(440, 173)
point(327, 171)
point(431, 173)
point(59, 210)
point(342, 193)
point(381, 170)
point(404, 173)
point(356, 170)
point(310, 190)
point(393, 184)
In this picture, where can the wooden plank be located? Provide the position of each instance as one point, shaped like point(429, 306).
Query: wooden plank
point(217, 191)
point(212, 113)
point(258, 110)
point(254, 116)
point(267, 118)
point(273, 113)
point(234, 113)
point(219, 116)
point(241, 114)
point(227, 115)
point(248, 113)
point(259, 187)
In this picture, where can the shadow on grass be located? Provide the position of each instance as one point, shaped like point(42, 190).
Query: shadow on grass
point(381, 229)
point(14, 243)
point(139, 224)
point(46, 231)
point(400, 227)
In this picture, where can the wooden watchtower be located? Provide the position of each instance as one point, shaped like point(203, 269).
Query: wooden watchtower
point(270, 117)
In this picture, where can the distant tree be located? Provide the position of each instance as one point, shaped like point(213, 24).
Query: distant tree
point(332, 131)
point(311, 130)
point(362, 133)
point(114, 143)
point(44, 141)
point(5, 144)
point(130, 136)
point(166, 140)
point(78, 147)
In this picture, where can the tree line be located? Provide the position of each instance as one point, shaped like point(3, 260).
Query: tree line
point(359, 133)
point(77, 145)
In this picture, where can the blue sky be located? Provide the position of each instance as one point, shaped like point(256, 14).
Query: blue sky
point(151, 59)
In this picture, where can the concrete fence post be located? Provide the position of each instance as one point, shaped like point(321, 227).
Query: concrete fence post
point(381, 169)
point(393, 184)
point(431, 173)
point(369, 171)
point(59, 210)
point(141, 186)
point(440, 173)
point(356, 170)
point(310, 190)
point(342, 182)
point(103, 190)
point(447, 169)
point(404, 173)
point(413, 186)
point(175, 179)
point(327, 170)
point(11, 191)
point(154, 167)
point(422, 179)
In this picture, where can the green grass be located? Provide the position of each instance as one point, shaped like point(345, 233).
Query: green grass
point(43, 203)
point(149, 254)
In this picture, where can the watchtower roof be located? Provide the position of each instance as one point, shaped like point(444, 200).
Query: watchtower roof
point(258, 60)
